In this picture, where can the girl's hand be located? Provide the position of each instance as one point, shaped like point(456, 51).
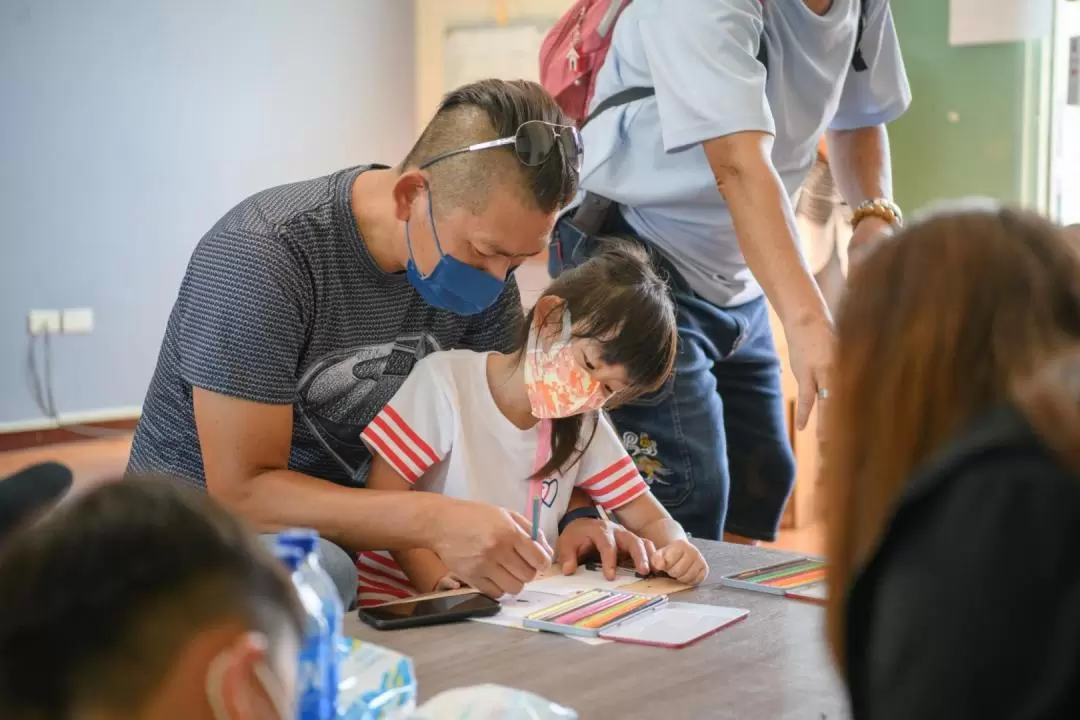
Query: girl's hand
point(449, 581)
point(585, 536)
point(681, 561)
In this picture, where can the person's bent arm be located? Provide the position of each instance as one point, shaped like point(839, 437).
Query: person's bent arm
point(424, 568)
point(674, 554)
point(765, 227)
point(245, 448)
point(872, 97)
point(588, 536)
point(860, 163)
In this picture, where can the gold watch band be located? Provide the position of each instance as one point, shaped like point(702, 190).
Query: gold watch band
point(887, 210)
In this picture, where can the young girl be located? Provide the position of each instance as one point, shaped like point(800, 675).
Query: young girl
point(522, 430)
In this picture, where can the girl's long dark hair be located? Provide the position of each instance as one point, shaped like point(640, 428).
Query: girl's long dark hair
point(618, 299)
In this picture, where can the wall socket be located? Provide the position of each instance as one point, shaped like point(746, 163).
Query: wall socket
point(71, 321)
point(77, 321)
point(43, 322)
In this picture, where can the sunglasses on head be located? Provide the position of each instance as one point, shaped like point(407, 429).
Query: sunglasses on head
point(533, 144)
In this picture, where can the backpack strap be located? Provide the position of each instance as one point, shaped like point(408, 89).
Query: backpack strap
point(622, 97)
point(629, 95)
point(858, 62)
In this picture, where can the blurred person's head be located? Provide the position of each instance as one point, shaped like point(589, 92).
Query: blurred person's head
point(937, 325)
point(30, 493)
point(144, 599)
point(1073, 232)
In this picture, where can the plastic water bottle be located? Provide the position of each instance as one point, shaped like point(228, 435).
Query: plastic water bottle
point(307, 542)
point(314, 700)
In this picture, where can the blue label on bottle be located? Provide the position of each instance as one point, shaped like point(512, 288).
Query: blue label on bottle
point(314, 700)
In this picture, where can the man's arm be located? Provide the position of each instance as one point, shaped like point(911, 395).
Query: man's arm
point(765, 227)
point(857, 140)
point(765, 224)
point(424, 568)
point(860, 163)
point(710, 91)
point(245, 448)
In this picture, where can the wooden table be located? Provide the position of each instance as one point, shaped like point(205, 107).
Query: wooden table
point(772, 665)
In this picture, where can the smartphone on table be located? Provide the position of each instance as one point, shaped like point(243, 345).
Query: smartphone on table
point(429, 611)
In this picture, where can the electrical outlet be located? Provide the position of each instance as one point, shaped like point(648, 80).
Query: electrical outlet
point(78, 321)
point(43, 322)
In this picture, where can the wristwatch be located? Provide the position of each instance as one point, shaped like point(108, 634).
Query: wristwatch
point(887, 210)
point(576, 514)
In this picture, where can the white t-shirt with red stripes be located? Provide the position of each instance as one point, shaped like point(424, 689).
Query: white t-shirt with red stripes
point(443, 433)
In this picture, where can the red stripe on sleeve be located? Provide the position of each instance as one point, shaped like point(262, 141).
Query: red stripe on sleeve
point(403, 447)
point(368, 583)
point(628, 491)
point(381, 560)
point(417, 440)
point(389, 455)
point(607, 472)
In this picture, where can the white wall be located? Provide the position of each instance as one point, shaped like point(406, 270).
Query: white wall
point(128, 127)
point(1065, 128)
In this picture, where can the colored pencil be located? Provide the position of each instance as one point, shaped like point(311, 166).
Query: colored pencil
point(589, 610)
point(614, 613)
point(569, 604)
point(536, 518)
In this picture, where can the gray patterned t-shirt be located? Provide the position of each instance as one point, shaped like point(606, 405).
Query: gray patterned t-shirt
point(282, 304)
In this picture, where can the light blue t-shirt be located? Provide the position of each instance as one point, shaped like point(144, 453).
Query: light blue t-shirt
point(700, 56)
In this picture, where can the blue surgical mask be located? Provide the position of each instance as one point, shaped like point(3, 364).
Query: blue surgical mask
point(452, 285)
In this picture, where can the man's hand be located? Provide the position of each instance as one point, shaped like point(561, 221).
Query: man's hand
point(489, 548)
point(869, 230)
point(765, 227)
point(588, 535)
point(810, 346)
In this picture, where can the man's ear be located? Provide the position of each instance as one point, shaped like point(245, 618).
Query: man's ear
point(409, 184)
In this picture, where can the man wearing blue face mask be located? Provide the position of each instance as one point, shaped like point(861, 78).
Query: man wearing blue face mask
point(307, 305)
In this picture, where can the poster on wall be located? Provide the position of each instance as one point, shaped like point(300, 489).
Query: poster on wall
point(510, 52)
point(981, 22)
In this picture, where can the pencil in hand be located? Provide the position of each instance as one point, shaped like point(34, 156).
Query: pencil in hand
point(536, 518)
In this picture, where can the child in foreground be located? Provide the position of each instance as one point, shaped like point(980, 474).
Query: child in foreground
point(509, 428)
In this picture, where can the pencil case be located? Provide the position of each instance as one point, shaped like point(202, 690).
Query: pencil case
point(590, 613)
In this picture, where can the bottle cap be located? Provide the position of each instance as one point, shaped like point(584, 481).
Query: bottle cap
point(304, 539)
point(290, 556)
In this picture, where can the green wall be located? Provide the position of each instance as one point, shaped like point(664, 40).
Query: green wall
point(982, 153)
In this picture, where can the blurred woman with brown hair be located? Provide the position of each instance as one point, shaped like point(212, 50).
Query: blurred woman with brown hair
point(953, 467)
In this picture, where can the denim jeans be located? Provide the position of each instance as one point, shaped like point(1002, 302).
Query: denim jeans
point(712, 443)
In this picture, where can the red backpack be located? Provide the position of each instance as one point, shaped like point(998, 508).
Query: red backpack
point(575, 48)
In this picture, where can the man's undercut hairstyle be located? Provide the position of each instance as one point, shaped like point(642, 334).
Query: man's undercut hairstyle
point(100, 597)
point(491, 110)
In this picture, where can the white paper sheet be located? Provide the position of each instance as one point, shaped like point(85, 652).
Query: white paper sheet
point(980, 22)
point(582, 580)
point(548, 591)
